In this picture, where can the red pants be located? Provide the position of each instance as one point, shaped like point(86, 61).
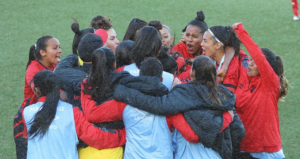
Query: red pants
point(295, 7)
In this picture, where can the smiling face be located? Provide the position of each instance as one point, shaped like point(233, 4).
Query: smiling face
point(209, 45)
point(193, 39)
point(51, 56)
point(112, 41)
point(252, 69)
point(167, 39)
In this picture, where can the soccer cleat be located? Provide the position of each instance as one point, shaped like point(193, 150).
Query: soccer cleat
point(295, 18)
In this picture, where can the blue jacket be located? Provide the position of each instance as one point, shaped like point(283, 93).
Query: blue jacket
point(188, 150)
point(148, 135)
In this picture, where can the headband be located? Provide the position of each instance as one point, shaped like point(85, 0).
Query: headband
point(167, 27)
point(213, 35)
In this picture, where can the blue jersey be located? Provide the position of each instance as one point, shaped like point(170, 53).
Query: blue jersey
point(147, 135)
point(60, 140)
point(188, 150)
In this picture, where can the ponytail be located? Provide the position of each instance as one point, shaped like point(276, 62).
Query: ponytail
point(227, 36)
point(48, 84)
point(233, 41)
point(283, 80)
point(78, 34)
point(31, 55)
point(135, 25)
point(75, 29)
point(99, 83)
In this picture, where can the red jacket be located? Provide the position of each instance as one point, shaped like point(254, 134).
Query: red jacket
point(98, 113)
point(181, 47)
point(33, 68)
point(232, 75)
point(256, 101)
point(96, 137)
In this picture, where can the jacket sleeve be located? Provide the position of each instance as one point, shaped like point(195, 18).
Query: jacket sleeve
point(232, 75)
point(100, 138)
point(237, 129)
point(179, 123)
point(20, 134)
point(169, 104)
point(69, 74)
point(31, 71)
point(69, 61)
point(227, 119)
point(111, 110)
point(265, 69)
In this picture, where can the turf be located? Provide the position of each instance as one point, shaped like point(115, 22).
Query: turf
point(23, 22)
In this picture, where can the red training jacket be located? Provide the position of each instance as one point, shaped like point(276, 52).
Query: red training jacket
point(256, 101)
point(33, 68)
point(181, 47)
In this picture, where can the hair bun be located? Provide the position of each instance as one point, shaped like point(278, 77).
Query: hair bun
point(200, 16)
point(75, 26)
point(156, 24)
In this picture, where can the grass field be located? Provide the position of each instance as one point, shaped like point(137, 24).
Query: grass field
point(23, 22)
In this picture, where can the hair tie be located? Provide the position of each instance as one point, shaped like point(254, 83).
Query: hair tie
point(35, 45)
point(213, 35)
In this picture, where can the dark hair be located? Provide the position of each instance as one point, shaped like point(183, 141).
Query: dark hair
point(122, 53)
point(277, 65)
point(227, 36)
point(48, 84)
point(199, 22)
point(151, 66)
point(147, 44)
point(34, 51)
point(100, 22)
point(135, 25)
point(169, 63)
point(205, 74)
point(156, 24)
point(78, 35)
point(99, 83)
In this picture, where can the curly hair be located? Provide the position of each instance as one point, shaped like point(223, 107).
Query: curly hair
point(100, 22)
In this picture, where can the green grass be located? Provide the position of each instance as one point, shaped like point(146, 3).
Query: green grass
point(23, 22)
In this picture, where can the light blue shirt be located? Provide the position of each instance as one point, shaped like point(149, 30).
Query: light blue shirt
point(268, 155)
point(147, 135)
point(60, 140)
point(188, 150)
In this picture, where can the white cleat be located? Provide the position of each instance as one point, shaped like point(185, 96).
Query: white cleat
point(295, 18)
